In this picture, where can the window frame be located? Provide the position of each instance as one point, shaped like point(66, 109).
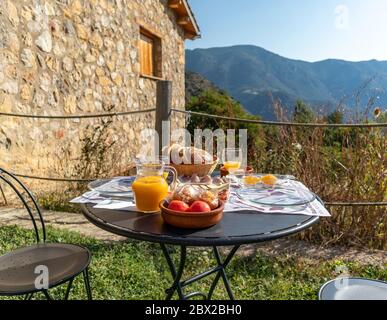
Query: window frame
point(156, 72)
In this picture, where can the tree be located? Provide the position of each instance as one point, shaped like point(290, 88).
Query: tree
point(220, 103)
point(336, 117)
point(303, 113)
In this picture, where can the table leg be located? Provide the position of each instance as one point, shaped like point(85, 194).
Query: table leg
point(178, 285)
point(222, 272)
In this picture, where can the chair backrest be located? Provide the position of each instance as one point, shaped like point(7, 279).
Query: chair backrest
point(27, 198)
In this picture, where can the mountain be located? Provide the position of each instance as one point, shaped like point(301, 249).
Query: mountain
point(255, 77)
point(196, 84)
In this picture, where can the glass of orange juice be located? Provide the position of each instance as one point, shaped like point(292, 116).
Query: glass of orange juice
point(150, 186)
point(232, 160)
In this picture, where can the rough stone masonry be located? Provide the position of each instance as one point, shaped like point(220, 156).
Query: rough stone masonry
point(71, 57)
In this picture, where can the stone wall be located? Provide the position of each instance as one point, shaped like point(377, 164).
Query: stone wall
point(71, 57)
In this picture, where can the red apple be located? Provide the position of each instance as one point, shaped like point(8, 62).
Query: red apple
point(179, 206)
point(199, 207)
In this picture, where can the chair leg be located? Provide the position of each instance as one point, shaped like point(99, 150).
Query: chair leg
point(69, 286)
point(86, 279)
point(28, 296)
point(47, 295)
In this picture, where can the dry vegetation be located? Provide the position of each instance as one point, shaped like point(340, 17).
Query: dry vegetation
point(340, 165)
point(349, 168)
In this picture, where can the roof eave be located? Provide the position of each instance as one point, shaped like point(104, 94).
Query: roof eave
point(186, 17)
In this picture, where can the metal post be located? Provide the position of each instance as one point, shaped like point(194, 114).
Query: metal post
point(163, 112)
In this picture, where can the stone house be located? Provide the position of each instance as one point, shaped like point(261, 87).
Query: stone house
point(80, 57)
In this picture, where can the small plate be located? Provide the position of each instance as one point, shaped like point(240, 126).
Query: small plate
point(283, 194)
point(115, 187)
point(354, 289)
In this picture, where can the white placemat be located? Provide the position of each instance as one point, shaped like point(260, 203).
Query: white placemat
point(234, 204)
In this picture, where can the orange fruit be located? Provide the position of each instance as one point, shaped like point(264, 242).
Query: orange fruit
point(269, 180)
point(251, 180)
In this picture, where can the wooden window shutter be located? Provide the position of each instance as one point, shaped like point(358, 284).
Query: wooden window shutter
point(147, 53)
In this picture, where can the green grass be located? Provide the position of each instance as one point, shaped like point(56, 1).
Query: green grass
point(137, 270)
point(59, 202)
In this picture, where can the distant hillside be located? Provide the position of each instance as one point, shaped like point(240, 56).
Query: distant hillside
point(255, 76)
point(196, 84)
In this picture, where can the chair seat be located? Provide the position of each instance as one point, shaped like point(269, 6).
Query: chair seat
point(17, 268)
point(354, 289)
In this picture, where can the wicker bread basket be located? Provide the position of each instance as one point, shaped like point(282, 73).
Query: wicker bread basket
point(201, 170)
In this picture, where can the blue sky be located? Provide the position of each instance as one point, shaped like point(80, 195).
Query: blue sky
point(310, 30)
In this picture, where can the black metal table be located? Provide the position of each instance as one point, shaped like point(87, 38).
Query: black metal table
point(236, 229)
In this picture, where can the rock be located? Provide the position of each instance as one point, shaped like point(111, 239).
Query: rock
point(11, 71)
point(45, 82)
point(82, 32)
point(34, 27)
point(44, 41)
point(28, 77)
point(28, 58)
point(56, 28)
point(59, 134)
point(13, 43)
point(96, 40)
point(111, 65)
point(76, 7)
point(39, 99)
point(25, 92)
point(26, 13)
point(49, 9)
point(26, 39)
point(53, 98)
point(41, 62)
point(69, 28)
point(13, 15)
point(51, 63)
point(104, 81)
point(59, 49)
point(7, 56)
point(105, 20)
point(99, 72)
point(88, 94)
point(68, 64)
point(90, 58)
point(6, 103)
point(109, 43)
point(3, 36)
point(117, 79)
point(142, 84)
point(87, 71)
point(70, 105)
point(121, 48)
point(1, 76)
point(11, 87)
point(133, 55)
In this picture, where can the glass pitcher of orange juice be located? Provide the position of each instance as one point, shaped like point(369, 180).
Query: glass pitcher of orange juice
point(150, 186)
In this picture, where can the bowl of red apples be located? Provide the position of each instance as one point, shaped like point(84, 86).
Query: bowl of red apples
point(192, 207)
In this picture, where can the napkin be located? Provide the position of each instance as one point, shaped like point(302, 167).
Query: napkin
point(116, 205)
point(89, 197)
point(314, 208)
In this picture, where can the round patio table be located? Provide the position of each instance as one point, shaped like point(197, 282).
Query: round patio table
point(236, 229)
